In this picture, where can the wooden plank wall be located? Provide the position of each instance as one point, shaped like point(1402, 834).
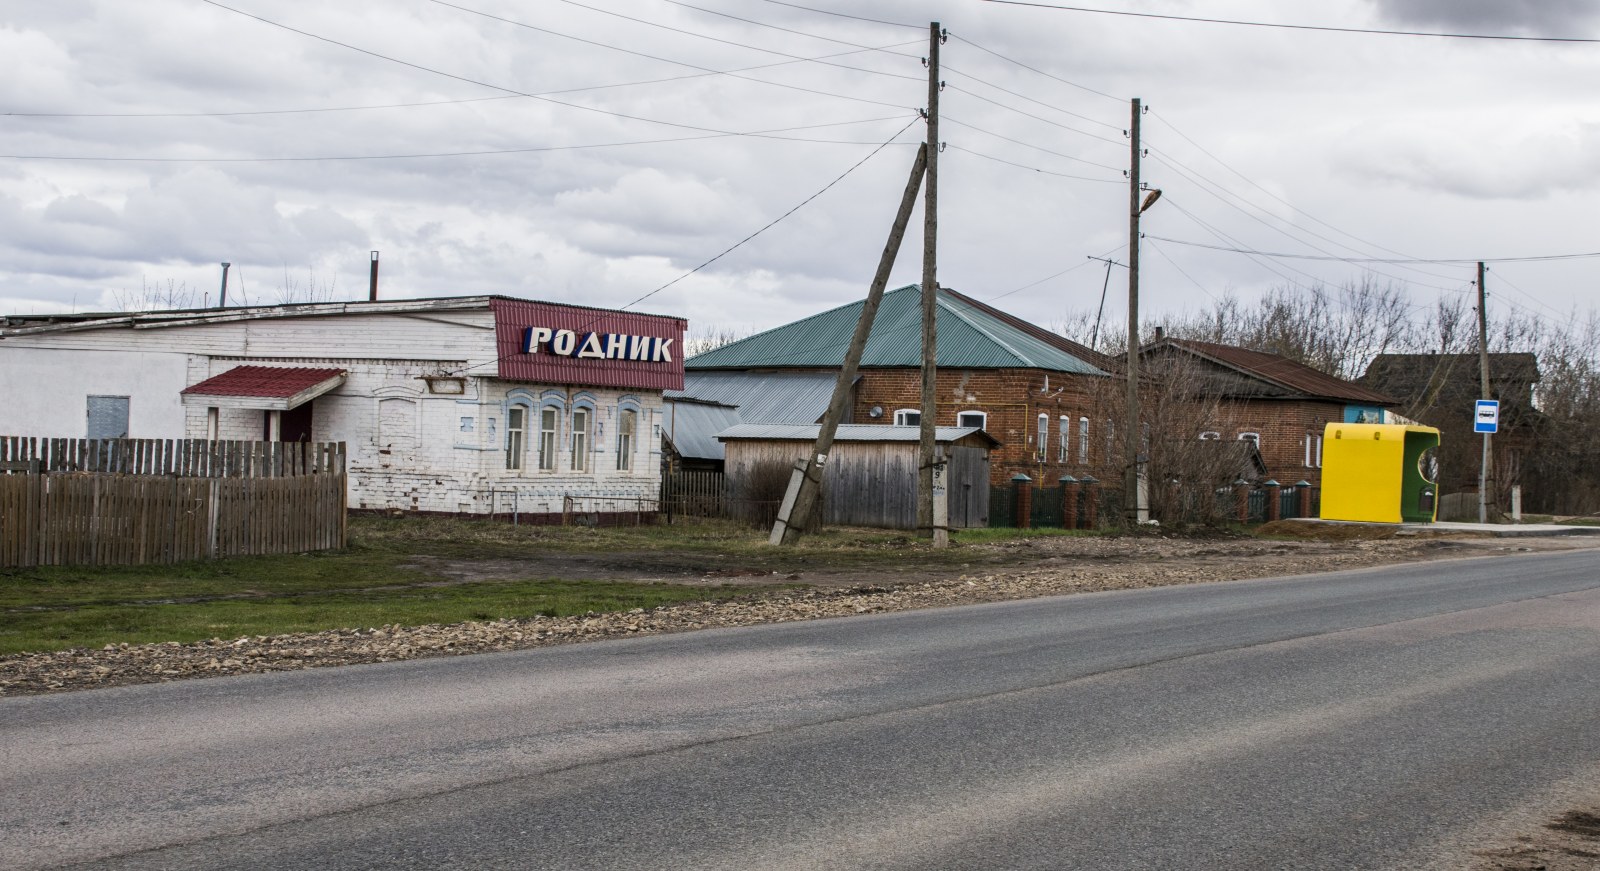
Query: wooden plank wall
point(197, 458)
point(135, 501)
point(97, 519)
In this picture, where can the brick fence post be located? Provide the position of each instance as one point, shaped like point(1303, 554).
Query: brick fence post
point(1303, 490)
point(1091, 500)
point(1024, 496)
point(1069, 502)
point(1274, 499)
point(1241, 491)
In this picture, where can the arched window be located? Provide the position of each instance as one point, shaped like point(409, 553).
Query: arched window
point(979, 419)
point(1064, 425)
point(1044, 437)
point(1210, 436)
point(516, 435)
point(1253, 437)
point(627, 426)
point(908, 417)
point(1083, 440)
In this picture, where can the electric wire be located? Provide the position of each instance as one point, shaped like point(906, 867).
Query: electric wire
point(775, 26)
point(461, 78)
point(735, 246)
point(701, 36)
point(954, 147)
point(1094, 136)
point(1033, 69)
point(1034, 284)
point(843, 15)
point(766, 134)
point(959, 123)
point(1313, 27)
point(1540, 258)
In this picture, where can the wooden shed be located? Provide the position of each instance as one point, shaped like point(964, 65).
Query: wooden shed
point(871, 475)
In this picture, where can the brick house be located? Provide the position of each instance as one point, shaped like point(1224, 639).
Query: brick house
point(1440, 390)
point(1277, 403)
point(1030, 389)
point(471, 405)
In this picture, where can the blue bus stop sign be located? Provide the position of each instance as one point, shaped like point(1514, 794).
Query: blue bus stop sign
point(1487, 418)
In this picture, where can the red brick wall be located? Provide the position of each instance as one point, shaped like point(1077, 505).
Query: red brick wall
point(1284, 426)
point(1013, 399)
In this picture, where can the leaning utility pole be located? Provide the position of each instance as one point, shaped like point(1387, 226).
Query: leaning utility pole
point(797, 513)
point(1130, 435)
point(930, 298)
point(1483, 373)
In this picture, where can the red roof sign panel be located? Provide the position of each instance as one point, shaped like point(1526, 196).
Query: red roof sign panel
point(562, 344)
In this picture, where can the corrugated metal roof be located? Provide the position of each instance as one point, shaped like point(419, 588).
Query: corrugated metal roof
point(274, 382)
point(971, 336)
point(852, 432)
point(763, 397)
point(692, 428)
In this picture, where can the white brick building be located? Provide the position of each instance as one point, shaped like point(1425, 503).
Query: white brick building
point(465, 405)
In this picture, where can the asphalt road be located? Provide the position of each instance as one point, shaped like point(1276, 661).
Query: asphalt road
point(1353, 720)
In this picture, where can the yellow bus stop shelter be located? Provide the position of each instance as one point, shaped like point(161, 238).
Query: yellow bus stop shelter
point(1383, 473)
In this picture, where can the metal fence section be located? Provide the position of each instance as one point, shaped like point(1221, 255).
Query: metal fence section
point(694, 494)
point(70, 502)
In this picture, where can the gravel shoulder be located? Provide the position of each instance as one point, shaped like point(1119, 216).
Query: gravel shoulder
point(1014, 569)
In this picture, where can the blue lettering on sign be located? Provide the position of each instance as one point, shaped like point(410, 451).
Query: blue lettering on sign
point(596, 346)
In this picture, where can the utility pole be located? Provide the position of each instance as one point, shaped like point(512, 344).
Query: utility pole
point(1483, 373)
point(796, 515)
point(930, 298)
point(1094, 338)
point(1130, 436)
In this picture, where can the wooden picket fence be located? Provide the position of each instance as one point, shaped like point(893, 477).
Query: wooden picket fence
point(234, 499)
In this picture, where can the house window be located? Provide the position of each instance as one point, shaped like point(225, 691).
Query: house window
point(547, 439)
point(627, 423)
point(908, 417)
point(1209, 436)
point(580, 439)
point(1319, 452)
point(516, 432)
point(1044, 437)
point(1083, 440)
point(1064, 425)
point(1253, 437)
point(1111, 438)
point(108, 417)
point(978, 419)
point(1308, 451)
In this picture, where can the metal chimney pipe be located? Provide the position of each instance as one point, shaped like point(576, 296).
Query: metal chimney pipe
point(222, 298)
point(372, 291)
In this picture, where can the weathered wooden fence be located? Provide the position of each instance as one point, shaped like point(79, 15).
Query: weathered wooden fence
point(66, 502)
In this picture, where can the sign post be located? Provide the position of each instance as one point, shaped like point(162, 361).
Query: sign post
point(1486, 420)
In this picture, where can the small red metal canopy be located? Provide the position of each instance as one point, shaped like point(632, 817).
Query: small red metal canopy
point(277, 388)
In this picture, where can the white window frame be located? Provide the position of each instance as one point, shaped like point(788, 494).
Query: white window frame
point(516, 436)
point(1211, 435)
point(1319, 451)
point(1083, 441)
point(1251, 437)
point(549, 437)
point(1064, 425)
point(902, 417)
point(1308, 451)
point(580, 437)
point(1044, 437)
point(627, 428)
point(982, 416)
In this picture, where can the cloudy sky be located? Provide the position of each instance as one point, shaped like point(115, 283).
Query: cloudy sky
point(592, 152)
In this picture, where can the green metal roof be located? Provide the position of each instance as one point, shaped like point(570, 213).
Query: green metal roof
point(971, 336)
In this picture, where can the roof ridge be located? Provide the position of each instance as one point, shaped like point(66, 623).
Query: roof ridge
point(808, 318)
point(1017, 355)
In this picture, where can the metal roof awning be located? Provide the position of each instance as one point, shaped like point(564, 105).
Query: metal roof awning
point(270, 388)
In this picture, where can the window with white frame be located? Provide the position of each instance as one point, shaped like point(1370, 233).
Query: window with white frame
point(1063, 427)
point(516, 435)
point(908, 417)
point(627, 424)
point(1319, 452)
point(1111, 438)
point(978, 419)
point(1083, 440)
point(1308, 451)
point(1044, 437)
point(1253, 437)
point(548, 419)
point(1210, 436)
point(580, 439)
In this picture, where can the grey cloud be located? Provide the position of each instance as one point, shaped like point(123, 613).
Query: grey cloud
point(1521, 17)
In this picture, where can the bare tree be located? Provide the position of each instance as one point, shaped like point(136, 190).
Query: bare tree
point(155, 296)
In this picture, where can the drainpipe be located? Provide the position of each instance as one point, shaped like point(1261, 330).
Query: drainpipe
point(372, 287)
point(222, 298)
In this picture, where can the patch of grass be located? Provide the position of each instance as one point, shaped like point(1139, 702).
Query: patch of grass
point(98, 625)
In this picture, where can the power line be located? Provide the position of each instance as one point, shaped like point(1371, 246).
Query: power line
point(1324, 28)
point(767, 134)
point(1053, 277)
point(731, 248)
point(1028, 145)
point(1034, 69)
point(774, 26)
point(1094, 136)
point(1067, 112)
point(1031, 168)
point(843, 15)
point(468, 80)
point(1438, 260)
point(580, 89)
